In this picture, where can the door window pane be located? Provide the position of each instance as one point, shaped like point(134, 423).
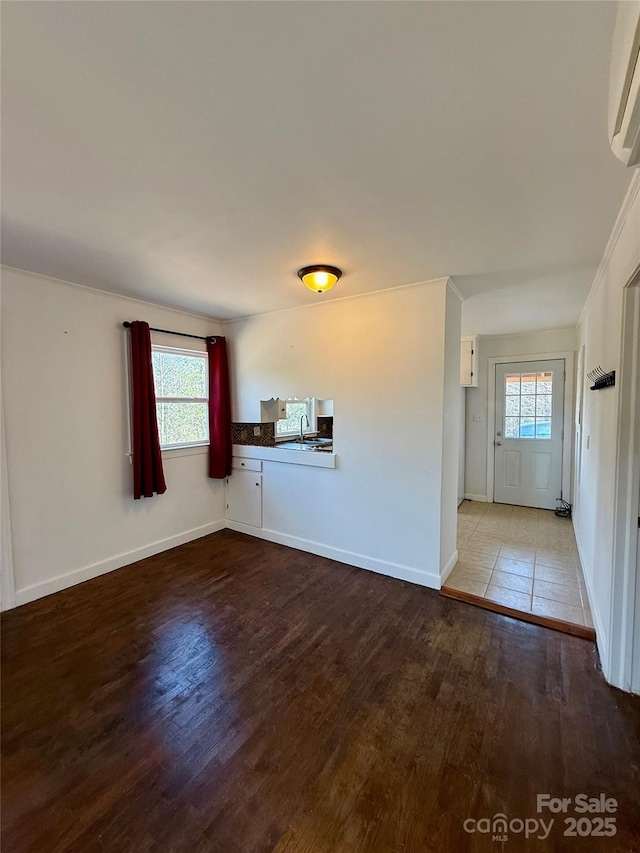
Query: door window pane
point(511, 427)
point(528, 405)
point(543, 383)
point(527, 427)
point(512, 406)
point(543, 405)
point(543, 428)
point(512, 383)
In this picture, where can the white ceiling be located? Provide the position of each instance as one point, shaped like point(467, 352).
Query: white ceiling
point(197, 154)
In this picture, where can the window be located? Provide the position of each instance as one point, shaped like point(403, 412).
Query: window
point(527, 410)
point(181, 380)
point(299, 412)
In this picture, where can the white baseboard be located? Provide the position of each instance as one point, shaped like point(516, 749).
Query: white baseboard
point(482, 498)
point(360, 561)
point(453, 559)
point(602, 641)
point(31, 593)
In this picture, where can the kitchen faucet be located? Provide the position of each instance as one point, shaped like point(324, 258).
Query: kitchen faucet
point(302, 417)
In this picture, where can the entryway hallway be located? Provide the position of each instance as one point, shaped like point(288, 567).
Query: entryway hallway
point(523, 562)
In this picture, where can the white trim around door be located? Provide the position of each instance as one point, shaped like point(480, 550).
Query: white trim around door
point(568, 357)
point(622, 663)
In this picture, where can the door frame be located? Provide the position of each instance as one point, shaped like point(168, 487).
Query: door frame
point(624, 641)
point(567, 423)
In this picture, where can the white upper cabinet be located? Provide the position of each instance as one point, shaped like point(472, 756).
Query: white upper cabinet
point(469, 361)
point(272, 410)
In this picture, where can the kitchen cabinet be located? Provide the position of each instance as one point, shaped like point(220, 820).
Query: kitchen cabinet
point(244, 496)
point(272, 410)
point(469, 361)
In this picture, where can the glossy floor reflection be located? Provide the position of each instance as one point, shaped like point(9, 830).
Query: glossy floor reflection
point(236, 696)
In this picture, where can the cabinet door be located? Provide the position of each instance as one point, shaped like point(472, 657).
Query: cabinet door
point(469, 361)
point(272, 410)
point(466, 362)
point(244, 497)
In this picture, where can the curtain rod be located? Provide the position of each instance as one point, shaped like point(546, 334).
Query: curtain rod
point(127, 325)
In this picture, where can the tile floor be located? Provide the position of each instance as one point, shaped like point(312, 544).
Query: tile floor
point(521, 558)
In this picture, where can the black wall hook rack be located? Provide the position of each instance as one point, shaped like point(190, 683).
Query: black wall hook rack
point(601, 379)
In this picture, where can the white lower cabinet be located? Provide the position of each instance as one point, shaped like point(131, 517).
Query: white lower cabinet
point(244, 497)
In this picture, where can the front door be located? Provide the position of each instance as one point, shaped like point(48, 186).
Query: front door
point(528, 437)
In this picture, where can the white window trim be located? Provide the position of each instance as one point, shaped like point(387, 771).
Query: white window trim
point(192, 447)
point(184, 450)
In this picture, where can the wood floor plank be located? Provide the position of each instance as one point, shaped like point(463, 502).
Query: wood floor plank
point(236, 695)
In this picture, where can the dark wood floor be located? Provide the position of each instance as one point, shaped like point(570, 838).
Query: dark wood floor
point(233, 695)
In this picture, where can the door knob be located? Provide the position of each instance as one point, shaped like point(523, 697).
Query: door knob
point(498, 444)
point(498, 433)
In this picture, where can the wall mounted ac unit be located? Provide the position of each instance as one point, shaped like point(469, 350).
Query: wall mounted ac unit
point(624, 84)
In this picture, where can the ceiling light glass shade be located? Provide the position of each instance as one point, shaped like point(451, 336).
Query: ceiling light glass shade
point(319, 277)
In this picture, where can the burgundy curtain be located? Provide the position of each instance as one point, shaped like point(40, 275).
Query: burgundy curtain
point(148, 476)
point(219, 409)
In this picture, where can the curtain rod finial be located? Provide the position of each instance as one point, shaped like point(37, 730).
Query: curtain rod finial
point(127, 324)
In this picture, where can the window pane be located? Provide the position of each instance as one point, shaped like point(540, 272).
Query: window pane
point(178, 375)
point(543, 405)
point(528, 405)
point(512, 408)
point(511, 427)
point(182, 423)
point(512, 383)
point(544, 383)
point(528, 383)
point(527, 427)
point(543, 428)
point(295, 412)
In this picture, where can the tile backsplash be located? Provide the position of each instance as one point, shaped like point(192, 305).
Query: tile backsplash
point(242, 433)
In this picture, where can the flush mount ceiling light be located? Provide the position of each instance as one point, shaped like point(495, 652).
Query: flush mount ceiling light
point(319, 277)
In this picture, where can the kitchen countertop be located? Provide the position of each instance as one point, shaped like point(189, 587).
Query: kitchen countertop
point(293, 457)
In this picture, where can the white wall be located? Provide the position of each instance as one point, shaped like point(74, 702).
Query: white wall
point(6, 570)
point(66, 421)
point(600, 332)
point(450, 434)
point(461, 443)
point(381, 359)
point(555, 340)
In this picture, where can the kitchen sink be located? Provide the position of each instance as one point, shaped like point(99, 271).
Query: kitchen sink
point(317, 445)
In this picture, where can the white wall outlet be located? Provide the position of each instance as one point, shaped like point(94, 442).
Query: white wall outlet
point(256, 430)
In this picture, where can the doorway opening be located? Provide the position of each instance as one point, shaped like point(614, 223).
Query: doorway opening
point(522, 562)
point(515, 555)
